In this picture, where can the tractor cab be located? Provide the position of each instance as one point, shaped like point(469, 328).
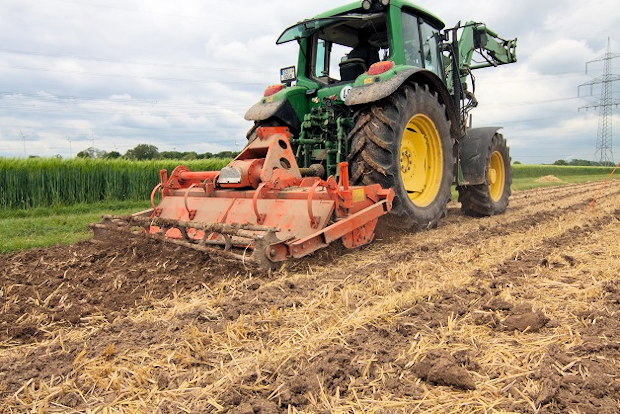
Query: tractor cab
point(339, 49)
point(340, 45)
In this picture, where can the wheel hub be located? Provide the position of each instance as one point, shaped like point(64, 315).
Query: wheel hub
point(497, 176)
point(406, 161)
point(421, 160)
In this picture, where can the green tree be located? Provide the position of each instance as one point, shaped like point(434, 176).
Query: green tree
point(188, 156)
point(112, 155)
point(578, 162)
point(171, 155)
point(142, 152)
point(226, 154)
point(560, 162)
point(91, 152)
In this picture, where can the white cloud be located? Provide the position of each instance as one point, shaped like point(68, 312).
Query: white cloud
point(183, 74)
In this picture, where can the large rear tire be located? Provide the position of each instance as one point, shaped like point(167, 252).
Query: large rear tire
point(403, 142)
point(490, 198)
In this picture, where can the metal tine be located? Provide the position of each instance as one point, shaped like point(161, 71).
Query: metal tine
point(246, 230)
point(205, 249)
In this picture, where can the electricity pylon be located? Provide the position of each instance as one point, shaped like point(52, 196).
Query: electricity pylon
point(604, 148)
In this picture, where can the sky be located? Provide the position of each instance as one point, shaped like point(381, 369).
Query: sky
point(180, 75)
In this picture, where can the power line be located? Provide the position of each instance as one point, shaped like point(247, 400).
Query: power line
point(162, 13)
point(604, 147)
point(117, 101)
point(526, 103)
point(115, 75)
point(129, 62)
point(125, 111)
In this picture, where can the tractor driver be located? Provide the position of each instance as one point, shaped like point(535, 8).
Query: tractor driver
point(364, 50)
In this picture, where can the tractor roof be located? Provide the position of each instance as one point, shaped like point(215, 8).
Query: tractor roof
point(351, 12)
point(404, 4)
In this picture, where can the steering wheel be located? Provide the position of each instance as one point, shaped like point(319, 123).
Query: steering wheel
point(354, 62)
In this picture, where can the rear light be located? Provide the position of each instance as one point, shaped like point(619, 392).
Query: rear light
point(273, 89)
point(380, 67)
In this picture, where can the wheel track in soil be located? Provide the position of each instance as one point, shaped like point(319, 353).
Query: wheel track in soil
point(549, 244)
point(470, 230)
point(232, 308)
point(418, 247)
point(392, 341)
point(494, 229)
point(554, 189)
point(537, 253)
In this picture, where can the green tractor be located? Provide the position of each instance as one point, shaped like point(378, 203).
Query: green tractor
point(375, 125)
point(381, 84)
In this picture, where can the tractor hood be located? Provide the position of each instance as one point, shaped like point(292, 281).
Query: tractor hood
point(309, 27)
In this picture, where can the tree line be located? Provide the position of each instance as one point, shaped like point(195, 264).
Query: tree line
point(150, 152)
point(585, 163)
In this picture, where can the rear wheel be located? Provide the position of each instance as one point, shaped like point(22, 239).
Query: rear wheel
point(491, 197)
point(403, 142)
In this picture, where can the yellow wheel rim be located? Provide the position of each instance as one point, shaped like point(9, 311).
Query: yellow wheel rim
point(421, 160)
point(497, 176)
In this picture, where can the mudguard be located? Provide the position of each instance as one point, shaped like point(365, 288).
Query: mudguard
point(371, 92)
point(283, 110)
point(473, 157)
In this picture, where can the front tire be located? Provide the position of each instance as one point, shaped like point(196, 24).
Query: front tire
point(490, 198)
point(404, 142)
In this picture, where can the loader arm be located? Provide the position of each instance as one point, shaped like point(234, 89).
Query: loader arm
point(476, 39)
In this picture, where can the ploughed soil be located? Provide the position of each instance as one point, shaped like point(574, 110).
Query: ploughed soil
point(512, 313)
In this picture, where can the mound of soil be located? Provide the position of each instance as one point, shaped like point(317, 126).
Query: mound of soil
point(549, 179)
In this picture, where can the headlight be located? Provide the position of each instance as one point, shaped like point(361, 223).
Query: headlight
point(384, 3)
point(366, 4)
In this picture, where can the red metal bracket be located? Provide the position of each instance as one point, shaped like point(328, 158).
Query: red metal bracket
point(314, 221)
point(260, 218)
point(190, 213)
point(157, 187)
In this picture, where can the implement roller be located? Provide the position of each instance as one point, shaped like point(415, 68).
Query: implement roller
point(259, 208)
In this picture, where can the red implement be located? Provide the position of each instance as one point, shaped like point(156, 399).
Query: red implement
point(260, 201)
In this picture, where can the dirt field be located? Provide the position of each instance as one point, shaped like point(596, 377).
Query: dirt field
point(513, 313)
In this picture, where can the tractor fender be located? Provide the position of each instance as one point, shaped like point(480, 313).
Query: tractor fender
point(378, 90)
point(473, 155)
point(282, 110)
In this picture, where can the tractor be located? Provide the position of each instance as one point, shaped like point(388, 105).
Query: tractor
point(374, 120)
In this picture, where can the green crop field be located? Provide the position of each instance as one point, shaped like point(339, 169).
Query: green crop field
point(46, 182)
point(45, 202)
point(525, 176)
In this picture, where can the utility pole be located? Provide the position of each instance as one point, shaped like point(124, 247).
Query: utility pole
point(604, 147)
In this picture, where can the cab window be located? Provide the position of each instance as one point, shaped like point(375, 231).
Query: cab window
point(344, 50)
point(421, 44)
point(411, 40)
point(328, 56)
point(431, 48)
